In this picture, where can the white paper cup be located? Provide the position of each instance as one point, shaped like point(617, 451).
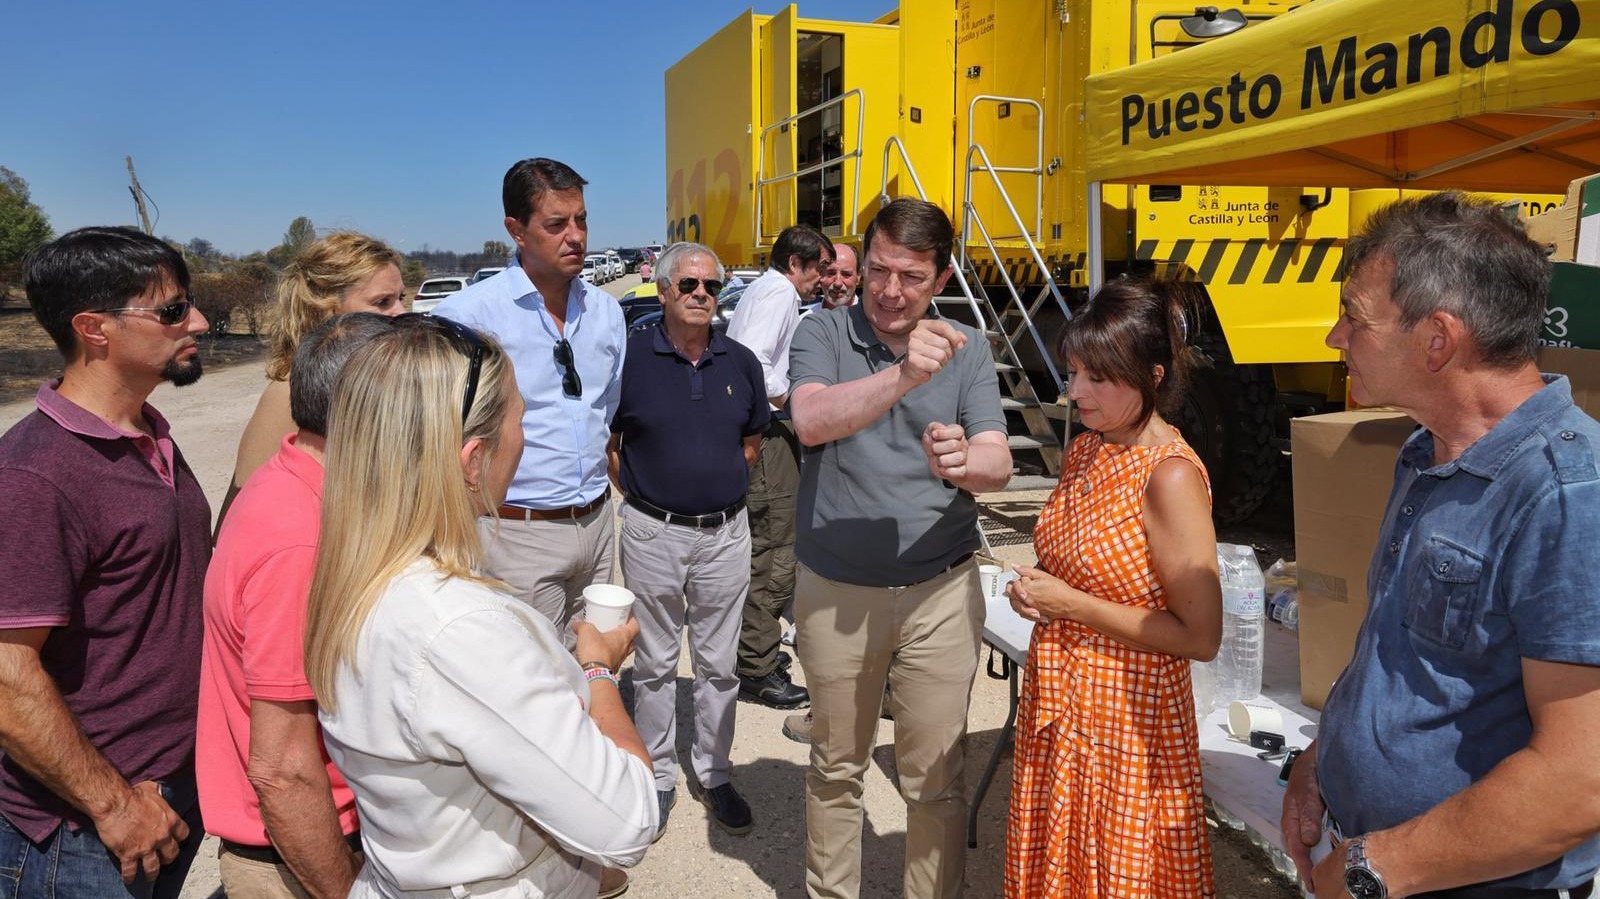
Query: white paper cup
point(1005, 580)
point(607, 606)
point(1244, 717)
point(991, 579)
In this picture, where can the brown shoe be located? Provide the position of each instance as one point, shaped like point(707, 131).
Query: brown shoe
point(798, 727)
point(613, 882)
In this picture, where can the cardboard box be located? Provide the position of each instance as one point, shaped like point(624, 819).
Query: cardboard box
point(1571, 231)
point(1343, 471)
point(1582, 368)
point(1572, 313)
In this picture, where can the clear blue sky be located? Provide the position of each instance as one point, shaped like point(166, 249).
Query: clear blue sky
point(398, 119)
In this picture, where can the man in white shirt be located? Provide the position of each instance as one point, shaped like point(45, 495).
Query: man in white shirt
point(765, 321)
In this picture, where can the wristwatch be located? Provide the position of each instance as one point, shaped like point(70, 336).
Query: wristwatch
point(1361, 880)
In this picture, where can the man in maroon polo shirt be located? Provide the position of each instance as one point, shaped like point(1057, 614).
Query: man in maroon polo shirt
point(103, 551)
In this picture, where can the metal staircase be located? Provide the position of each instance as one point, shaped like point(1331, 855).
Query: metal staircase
point(1009, 322)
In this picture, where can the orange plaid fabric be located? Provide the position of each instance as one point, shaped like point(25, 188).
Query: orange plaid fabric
point(1105, 797)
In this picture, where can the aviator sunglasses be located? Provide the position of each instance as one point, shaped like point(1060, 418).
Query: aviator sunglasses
point(571, 384)
point(687, 286)
point(170, 314)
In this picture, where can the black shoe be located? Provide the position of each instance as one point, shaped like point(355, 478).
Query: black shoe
point(728, 808)
point(784, 661)
point(665, 800)
point(773, 691)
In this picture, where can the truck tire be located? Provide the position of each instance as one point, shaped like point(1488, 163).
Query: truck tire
point(1227, 417)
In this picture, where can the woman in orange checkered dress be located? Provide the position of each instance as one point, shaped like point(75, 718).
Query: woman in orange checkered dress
point(1106, 800)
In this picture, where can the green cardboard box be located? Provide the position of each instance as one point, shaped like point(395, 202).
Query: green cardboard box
point(1572, 317)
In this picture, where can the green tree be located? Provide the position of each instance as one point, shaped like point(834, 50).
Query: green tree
point(497, 251)
point(23, 225)
point(413, 273)
point(300, 234)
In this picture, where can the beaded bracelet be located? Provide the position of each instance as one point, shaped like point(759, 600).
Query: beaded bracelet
point(602, 673)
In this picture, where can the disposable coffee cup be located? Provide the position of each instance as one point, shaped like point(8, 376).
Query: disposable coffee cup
point(1005, 581)
point(607, 606)
point(1244, 717)
point(991, 579)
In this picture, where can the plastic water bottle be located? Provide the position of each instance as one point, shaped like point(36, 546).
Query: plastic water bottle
point(1204, 677)
point(1284, 608)
point(1238, 663)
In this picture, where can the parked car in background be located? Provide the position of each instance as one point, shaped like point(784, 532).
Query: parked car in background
point(482, 273)
point(591, 271)
point(618, 267)
point(600, 265)
point(435, 289)
point(631, 257)
point(640, 299)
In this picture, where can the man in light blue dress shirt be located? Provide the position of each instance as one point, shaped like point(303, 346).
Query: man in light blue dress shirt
point(566, 339)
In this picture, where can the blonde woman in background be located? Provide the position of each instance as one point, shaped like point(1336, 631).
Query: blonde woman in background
point(343, 272)
point(485, 759)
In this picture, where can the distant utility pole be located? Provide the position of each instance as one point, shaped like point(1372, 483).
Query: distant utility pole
point(138, 197)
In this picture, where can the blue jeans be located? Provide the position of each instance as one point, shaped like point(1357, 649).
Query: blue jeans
point(74, 864)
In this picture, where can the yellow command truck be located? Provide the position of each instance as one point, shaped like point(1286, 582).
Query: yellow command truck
point(978, 105)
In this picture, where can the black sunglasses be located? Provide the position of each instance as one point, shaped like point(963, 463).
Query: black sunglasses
point(571, 384)
point(170, 314)
point(687, 285)
point(470, 342)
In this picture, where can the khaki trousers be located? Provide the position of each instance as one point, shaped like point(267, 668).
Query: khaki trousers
point(243, 878)
point(922, 641)
point(548, 563)
point(773, 482)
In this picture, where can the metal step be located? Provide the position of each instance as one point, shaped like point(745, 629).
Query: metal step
point(1024, 441)
point(1057, 411)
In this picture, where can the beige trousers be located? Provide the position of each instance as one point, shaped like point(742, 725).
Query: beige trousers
point(246, 879)
point(548, 563)
point(923, 642)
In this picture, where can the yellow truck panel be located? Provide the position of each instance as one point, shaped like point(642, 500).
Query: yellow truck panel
point(938, 78)
point(710, 159)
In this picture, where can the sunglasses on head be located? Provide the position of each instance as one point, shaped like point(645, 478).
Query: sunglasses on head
point(571, 384)
point(466, 340)
point(687, 286)
point(170, 314)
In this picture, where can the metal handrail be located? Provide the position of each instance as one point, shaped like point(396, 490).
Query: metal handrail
point(1038, 160)
point(973, 218)
point(895, 143)
point(761, 158)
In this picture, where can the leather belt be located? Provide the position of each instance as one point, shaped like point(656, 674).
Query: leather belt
point(960, 560)
point(523, 513)
point(709, 520)
point(268, 855)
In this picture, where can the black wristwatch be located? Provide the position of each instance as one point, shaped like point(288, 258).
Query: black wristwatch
point(1361, 880)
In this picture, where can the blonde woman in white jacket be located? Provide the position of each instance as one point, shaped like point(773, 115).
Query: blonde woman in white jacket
point(485, 759)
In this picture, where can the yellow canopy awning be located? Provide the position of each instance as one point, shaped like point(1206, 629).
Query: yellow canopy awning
point(1489, 95)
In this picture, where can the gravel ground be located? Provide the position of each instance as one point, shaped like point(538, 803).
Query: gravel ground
point(694, 857)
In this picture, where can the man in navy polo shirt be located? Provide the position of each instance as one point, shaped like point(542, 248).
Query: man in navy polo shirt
point(103, 551)
point(687, 430)
point(1455, 755)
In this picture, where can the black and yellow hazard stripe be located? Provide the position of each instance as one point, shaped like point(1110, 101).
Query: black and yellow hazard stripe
point(1251, 261)
point(1023, 270)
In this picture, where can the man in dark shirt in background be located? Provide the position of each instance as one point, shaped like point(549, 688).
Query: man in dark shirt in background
point(687, 430)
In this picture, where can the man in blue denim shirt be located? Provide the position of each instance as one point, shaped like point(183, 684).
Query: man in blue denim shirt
point(1454, 754)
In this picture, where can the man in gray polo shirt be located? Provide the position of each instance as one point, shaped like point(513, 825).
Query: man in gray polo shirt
point(899, 414)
